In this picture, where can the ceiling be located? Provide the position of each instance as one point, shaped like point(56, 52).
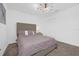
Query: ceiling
point(29, 8)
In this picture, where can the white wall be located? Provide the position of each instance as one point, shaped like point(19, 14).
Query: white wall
point(3, 41)
point(64, 26)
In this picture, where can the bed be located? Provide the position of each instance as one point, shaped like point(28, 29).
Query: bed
point(32, 43)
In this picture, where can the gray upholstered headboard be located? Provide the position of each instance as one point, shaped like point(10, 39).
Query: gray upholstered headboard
point(26, 26)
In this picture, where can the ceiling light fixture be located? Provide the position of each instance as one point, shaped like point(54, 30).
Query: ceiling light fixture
point(43, 7)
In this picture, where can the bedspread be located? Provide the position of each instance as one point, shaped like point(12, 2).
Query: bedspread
point(28, 45)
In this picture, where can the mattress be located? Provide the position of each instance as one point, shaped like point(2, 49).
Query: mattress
point(28, 45)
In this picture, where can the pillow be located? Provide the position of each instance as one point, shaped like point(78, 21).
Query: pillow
point(30, 33)
point(23, 33)
point(26, 33)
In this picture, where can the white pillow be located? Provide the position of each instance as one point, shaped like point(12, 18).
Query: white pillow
point(26, 33)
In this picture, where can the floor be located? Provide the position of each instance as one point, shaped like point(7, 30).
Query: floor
point(63, 49)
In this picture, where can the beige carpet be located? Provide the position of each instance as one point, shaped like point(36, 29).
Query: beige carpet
point(63, 49)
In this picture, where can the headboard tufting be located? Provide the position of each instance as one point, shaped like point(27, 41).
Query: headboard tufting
point(26, 26)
